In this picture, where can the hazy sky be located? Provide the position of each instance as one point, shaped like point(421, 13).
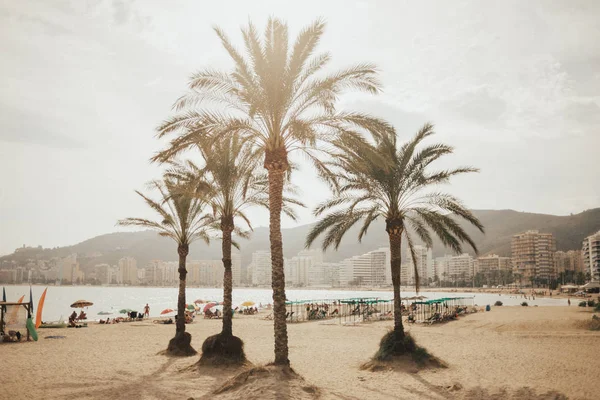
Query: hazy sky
point(513, 85)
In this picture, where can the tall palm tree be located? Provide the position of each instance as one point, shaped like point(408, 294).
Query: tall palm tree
point(181, 219)
point(229, 171)
point(277, 98)
point(378, 178)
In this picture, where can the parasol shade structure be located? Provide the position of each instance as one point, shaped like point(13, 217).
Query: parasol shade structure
point(248, 303)
point(190, 307)
point(125, 311)
point(104, 313)
point(201, 301)
point(81, 304)
point(217, 307)
point(208, 306)
point(166, 311)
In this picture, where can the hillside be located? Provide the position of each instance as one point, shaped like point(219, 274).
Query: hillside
point(500, 225)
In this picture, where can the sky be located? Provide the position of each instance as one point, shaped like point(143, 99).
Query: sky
point(514, 86)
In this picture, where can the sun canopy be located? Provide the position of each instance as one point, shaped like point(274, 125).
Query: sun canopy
point(81, 304)
point(591, 285)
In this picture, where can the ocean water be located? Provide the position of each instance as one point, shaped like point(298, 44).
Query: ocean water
point(113, 299)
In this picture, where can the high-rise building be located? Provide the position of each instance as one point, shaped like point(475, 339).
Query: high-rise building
point(68, 270)
point(103, 273)
point(571, 260)
point(128, 270)
point(299, 267)
point(364, 270)
point(486, 265)
point(591, 255)
point(440, 268)
point(461, 267)
point(261, 267)
point(424, 262)
point(324, 274)
point(236, 268)
point(533, 255)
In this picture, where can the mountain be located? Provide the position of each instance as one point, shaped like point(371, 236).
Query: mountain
point(500, 225)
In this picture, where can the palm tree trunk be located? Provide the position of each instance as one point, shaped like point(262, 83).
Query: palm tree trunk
point(227, 228)
point(276, 164)
point(395, 264)
point(183, 251)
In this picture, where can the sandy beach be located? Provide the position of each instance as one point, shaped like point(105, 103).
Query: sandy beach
point(510, 352)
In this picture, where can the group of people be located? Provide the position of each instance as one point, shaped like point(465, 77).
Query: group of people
point(74, 318)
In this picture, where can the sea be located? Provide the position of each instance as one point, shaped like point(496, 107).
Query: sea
point(113, 299)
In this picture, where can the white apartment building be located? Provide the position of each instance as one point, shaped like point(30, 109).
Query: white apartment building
point(128, 270)
point(324, 274)
point(261, 268)
point(364, 270)
point(461, 267)
point(103, 273)
point(591, 255)
point(424, 260)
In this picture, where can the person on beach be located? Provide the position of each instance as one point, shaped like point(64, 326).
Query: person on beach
point(569, 301)
point(147, 310)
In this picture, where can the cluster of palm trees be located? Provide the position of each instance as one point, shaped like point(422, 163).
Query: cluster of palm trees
point(277, 101)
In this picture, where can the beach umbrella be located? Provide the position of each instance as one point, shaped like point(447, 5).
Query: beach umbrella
point(81, 304)
point(104, 313)
point(190, 307)
point(208, 306)
point(248, 303)
point(166, 311)
point(201, 301)
point(216, 307)
point(126, 311)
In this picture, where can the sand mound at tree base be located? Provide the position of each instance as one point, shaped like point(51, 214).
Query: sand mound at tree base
point(403, 355)
point(223, 350)
point(267, 382)
point(180, 346)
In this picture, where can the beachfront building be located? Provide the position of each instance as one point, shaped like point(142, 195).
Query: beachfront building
point(571, 260)
point(68, 271)
point(103, 273)
point(299, 267)
point(591, 255)
point(364, 270)
point(461, 268)
point(128, 270)
point(440, 267)
point(533, 255)
point(261, 268)
point(425, 268)
point(154, 274)
point(491, 267)
point(324, 274)
point(236, 268)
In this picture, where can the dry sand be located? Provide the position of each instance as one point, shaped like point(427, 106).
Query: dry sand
point(510, 352)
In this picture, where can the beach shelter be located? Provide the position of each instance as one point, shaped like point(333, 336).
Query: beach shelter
point(125, 311)
point(248, 303)
point(81, 304)
point(166, 311)
point(208, 307)
point(104, 313)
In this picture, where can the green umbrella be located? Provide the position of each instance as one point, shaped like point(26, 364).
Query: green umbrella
point(125, 311)
point(104, 313)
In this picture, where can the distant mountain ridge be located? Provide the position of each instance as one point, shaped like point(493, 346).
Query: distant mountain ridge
point(500, 225)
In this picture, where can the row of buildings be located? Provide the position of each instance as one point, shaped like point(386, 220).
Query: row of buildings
point(533, 258)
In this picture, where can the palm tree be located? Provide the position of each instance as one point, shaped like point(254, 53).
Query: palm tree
point(181, 219)
point(229, 171)
point(378, 178)
point(276, 98)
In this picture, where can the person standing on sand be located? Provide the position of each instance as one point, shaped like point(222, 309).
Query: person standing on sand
point(147, 310)
point(569, 301)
